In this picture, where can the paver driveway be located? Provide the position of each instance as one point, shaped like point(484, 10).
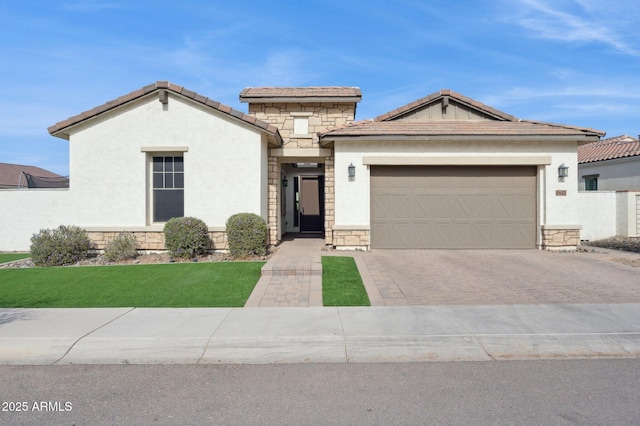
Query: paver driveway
point(460, 277)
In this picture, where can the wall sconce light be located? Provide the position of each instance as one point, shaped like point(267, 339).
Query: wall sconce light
point(563, 172)
point(352, 172)
point(285, 182)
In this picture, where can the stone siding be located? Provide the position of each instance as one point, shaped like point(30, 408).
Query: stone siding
point(152, 240)
point(323, 116)
point(560, 238)
point(273, 201)
point(351, 238)
point(329, 200)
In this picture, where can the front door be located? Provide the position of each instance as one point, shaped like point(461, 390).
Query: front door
point(311, 204)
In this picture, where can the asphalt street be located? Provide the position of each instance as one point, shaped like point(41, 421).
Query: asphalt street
point(586, 392)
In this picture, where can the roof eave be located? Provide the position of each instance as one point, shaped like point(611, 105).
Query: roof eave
point(61, 129)
point(328, 139)
point(302, 99)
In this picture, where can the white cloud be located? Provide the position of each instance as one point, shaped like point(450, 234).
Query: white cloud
point(579, 21)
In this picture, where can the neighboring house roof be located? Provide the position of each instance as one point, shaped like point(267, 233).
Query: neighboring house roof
point(60, 129)
point(298, 94)
point(15, 175)
point(609, 149)
point(496, 124)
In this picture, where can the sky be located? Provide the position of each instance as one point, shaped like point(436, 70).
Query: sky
point(574, 62)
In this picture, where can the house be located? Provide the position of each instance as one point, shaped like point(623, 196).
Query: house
point(18, 176)
point(611, 164)
point(447, 171)
point(444, 171)
point(609, 185)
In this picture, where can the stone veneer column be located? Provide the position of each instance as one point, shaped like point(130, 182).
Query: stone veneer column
point(273, 201)
point(558, 237)
point(329, 199)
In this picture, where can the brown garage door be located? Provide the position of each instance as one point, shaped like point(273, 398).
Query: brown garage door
point(453, 207)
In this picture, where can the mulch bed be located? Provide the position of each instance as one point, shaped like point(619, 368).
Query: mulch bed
point(618, 243)
point(144, 259)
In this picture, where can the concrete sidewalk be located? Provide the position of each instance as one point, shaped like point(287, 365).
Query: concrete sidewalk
point(293, 335)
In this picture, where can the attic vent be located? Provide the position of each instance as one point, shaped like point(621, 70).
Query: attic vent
point(163, 97)
point(445, 103)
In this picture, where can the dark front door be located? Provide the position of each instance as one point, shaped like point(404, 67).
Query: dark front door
point(311, 203)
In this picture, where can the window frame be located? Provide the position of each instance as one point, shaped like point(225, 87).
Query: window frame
point(171, 178)
point(591, 182)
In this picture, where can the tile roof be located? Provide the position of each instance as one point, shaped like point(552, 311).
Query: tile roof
point(58, 128)
point(452, 128)
point(501, 124)
point(10, 173)
point(609, 149)
point(391, 115)
point(313, 93)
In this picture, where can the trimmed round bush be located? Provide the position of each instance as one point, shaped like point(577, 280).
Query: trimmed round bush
point(64, 245)
point(246, 235)
point(186, 237)
point(123, 246)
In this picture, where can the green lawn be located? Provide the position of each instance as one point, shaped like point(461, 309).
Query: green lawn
point(216, 284)
point(341, 282)
point(10, 257)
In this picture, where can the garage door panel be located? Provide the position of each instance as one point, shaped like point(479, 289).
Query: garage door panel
point(392, 235)
point(387, 206)
point(453, 207)
point(431, 234)
point(436, 205)
point(472, 206)
point(514, 235)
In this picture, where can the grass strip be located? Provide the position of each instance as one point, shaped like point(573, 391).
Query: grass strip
point(216, 284)
point(341, 282)
point(10, 257)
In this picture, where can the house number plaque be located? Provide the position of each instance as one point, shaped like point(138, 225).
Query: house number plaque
point(561, 192)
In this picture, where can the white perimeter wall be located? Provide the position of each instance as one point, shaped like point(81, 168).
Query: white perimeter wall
point(605, 214)
point(25, 212)
point(352, 198)
point(597, 214)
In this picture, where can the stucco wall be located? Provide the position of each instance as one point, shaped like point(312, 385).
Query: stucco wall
point(224, 170)
point(224, 160)
point(25, 212)
point(352, 197)
point(614, 175)
point(597, 214)
point(627, 205)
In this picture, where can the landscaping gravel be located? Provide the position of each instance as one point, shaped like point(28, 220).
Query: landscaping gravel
point(631, 244)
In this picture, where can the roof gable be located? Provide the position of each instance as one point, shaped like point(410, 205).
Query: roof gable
point(429, 118)
point(609, 149)
point(61, 128)
point(445, 105)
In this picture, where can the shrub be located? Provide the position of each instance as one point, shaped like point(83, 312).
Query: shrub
point(246, 235)
point(123, 246)
point(186, 237)
point(64, 245)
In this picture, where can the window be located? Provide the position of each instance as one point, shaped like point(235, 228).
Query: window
point(300, 125)
point(590, 183)
point(168, 188)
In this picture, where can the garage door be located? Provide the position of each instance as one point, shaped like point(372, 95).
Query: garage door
point(453, 207)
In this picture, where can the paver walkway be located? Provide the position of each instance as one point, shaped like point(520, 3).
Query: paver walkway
point(292, 277)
